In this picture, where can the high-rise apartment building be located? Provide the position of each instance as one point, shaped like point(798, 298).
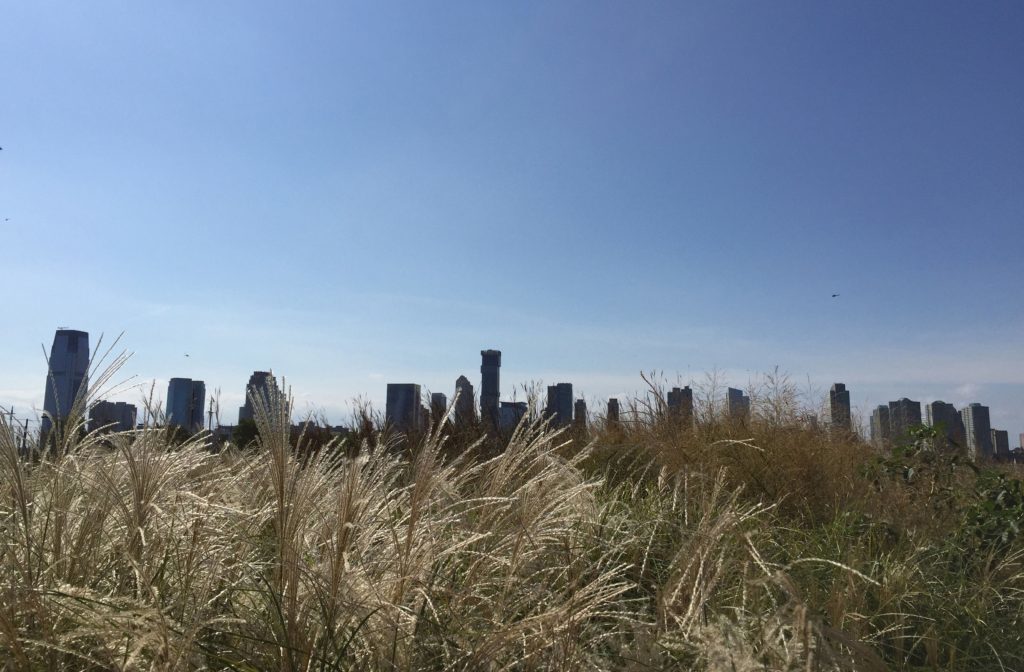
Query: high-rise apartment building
point(112, 416)
point(1001, 442)
point(979, 430)
point(510, 413)
point(185, 399)
point(680, 405)
point(737, 405)
point(579, 414)
point(880, 427)
point(260, 386)
point(839, 406)
point(946, 419)
point(904, 414)
point(438, 406)
point(559, 406)
point(464, 409)
point(490, 385)
point(67, 377)
point(404, 409)
point(612, 414)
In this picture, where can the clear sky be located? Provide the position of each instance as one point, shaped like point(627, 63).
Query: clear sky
point(360, 193)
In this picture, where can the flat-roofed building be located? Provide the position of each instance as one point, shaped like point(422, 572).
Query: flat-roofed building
point(560, 403)
point(839, 407)
point(112, 416)
point(880, 428)
point(979, 430)
point(403, 409)
point(904, 414)
point(946, 419)
point(185, 400)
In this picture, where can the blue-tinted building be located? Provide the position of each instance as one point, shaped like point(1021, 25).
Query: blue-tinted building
point(490, 385)
point(67, 377)
point(560, 404)
point(185, 404)
point(404, 411)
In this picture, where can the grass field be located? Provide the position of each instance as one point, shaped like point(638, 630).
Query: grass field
point(646, 545)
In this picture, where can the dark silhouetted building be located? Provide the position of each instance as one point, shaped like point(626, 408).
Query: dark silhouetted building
point(510, 413)
point(946, 419)
point(612, 415)
point(737, 405)
point(185, 399)
point(260, 385)
point(112, 416)
point(880, 427)
point(464, 409)
point(904, 414)
point(559, 407)
point(1001, 442)
point(490, 385)
point(979, 430)
point(438, 406)
point(839, 406)
point(579, 414)
point(404, 411)
point(67, 377)
point(680, 405)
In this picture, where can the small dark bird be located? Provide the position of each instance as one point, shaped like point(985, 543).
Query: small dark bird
point(186, 354)
point(834, 295)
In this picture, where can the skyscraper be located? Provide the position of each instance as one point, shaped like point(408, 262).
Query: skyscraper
point(1001, 442)
point(464, 409)
point(404, 409)
point(945, 418)
point(903, 415)
point(185, 399)
point(559, 406)
point(260, 385)
point(839, 405)
point(510, 413)
point(979, 430)
point(680, 405)
point(490, 385)
point(612, 415)
point(438, 406)
point(114, 416)
point(737, 405)
point(880, 427)
point(67, 377)
point(579, 414)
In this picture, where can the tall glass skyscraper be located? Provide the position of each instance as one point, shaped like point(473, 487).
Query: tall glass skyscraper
point(67, 377)
point(185, 403)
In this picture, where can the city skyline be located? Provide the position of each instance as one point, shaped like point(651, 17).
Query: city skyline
point(409, 405)
point(360, 194)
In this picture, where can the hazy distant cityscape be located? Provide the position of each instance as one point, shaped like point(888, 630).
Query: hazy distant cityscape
point(407, 410)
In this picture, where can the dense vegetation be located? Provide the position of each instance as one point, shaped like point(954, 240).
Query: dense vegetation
point(649, 544)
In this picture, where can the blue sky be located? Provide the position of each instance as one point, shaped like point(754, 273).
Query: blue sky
point(353, 194)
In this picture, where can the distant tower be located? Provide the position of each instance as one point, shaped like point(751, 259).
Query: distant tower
point(490, 386)
point(979, 430)
point(612, 415)
point(68, 376)
point(737, 405)
point(945, 417)
point(839, 404)
point(680, 405)
point(579, 414)
point(260, 385)
point(1001, 442)
point(510, 413)
point(438, 406)
point(404, 410)
point(114, 416)
point(464, 409)
point(904, 414)
point(186, 399)
point(559, 406)
point(880, 427)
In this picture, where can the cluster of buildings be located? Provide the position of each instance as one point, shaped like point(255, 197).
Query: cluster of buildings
point(405, 411)
point(968, 427)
